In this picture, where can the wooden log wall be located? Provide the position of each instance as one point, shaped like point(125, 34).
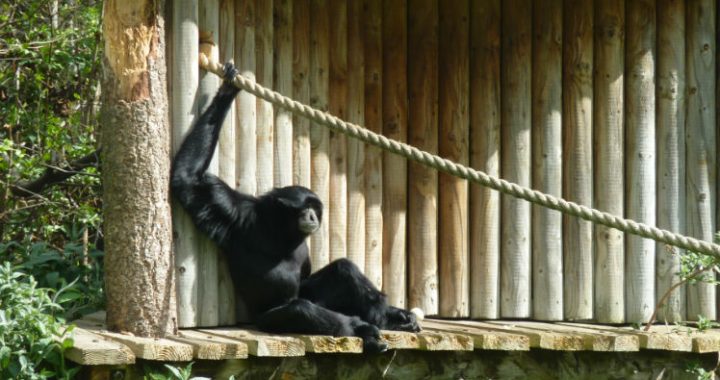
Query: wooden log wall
point(611, 104)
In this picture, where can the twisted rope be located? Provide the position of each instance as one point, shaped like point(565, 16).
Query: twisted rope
point(464, 172)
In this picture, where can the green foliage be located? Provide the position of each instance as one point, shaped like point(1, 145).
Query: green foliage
point(701, 373)
point(168, 372)
point(49, 73)
point(73, 269)
point(32, 338)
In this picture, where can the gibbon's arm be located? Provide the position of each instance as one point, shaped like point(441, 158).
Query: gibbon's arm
point(212, 204)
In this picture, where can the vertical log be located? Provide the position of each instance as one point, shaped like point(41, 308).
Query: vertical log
point(701, 140)
point(577, 160)
point(301, 91)
point(423, 134)
point(608, 156)
point(337, 103)
point(265, 118)
point(485, 155)
point(207, 251)
point(246, 147)
point(373, 155)
point(454, 123)
point(138, 232)
point(640, 153)
point(547, 158)
point(394, 26)
point(671, 151)
point(226, 292)
point(283, 47)
point(355, 149)
point(184, 86)
point(515, 116)
point(319, 136)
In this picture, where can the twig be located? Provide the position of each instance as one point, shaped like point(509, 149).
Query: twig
point(54, 175)
point(665, 296)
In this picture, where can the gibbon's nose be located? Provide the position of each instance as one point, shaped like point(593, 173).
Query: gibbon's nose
point(312, 218)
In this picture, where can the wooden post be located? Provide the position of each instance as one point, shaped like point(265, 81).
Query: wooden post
point(701, 141)
point(283, 47)
point(423, 134)
point(226, 290)
point(184, 86)
point(207, 251)
point(485, 155)
point(640, 152)
point(337, 103)
point(373, 155)
point(577, 159)
point(608, 156)
point(394, 95)
point(356, 149)
point(454, 123)
point(265, 117)
point(547, 158)
point(319, 136)
point(515, 116)
point(301, 91)
point(671, 152)
point(139, 265)
point(246, 153)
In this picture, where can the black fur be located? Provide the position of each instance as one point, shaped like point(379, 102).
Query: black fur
point(264, 240)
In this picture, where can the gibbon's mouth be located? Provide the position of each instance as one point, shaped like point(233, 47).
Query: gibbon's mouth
point(308, 226)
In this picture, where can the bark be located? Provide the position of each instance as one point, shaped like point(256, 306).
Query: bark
point(136, 163)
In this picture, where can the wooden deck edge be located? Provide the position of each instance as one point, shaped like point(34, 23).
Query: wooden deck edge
point(94, 345)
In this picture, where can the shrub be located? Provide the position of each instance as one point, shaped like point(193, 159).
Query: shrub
point(32, 338)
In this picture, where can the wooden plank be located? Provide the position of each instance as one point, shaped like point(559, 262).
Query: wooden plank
point(593, 340)
point(226, 149)
point(184, 84)
point(356, 149)
point(577, 159)
point(454, 124)
point(207, 251)
point(211, 347)
point(401, 340)
point(422, 233)
point(265, 114)
point(319, 135)
point(283, 64)
point(337, 104)
point(608, 157)
point(321, 344)
point(246, 147)
point(516, 154)
point(394, 115)
point(261, 344)
point(540, 337)
point(373, 155)
point(671, 152)
point(93, 349)
point(143, 348)
point(302, 167)
point(483, 339)
point(485, 155)
point(547, 158)
point(701, 186)
point(665, 338)
point(442, 341)
point(640, 152)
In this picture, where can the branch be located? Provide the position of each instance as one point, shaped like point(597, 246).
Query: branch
point(54, 175)
point(665, 296)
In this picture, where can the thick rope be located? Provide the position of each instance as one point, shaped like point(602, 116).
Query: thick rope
point(464, 172)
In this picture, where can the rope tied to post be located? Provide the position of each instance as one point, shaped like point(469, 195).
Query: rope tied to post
point(475, 176)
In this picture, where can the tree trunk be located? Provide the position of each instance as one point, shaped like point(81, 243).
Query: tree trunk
point(135, 136)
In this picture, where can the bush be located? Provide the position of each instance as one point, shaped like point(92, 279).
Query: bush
point(32, 338)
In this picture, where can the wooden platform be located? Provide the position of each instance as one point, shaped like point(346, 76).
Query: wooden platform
point(96, 346)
